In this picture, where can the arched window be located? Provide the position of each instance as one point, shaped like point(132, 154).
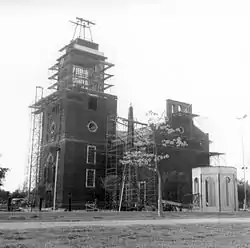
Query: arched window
point(172, 108)
point(210, 192)
point(196, 185)
point(50, 158)
point(227, 190)
point(206, 191)
point(213, 194)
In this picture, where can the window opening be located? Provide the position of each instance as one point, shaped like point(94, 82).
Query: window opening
point(90, 178)
point(210, 192)
point(142, 192)
point(80, 75)
point(227, 190)
point(92, 103)
point(196, 185)
point(206, 191)
point(91, 154)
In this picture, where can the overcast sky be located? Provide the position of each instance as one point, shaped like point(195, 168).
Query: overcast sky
point(192, 51)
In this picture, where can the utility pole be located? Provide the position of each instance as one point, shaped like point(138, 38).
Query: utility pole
point(56, 175)
point(243, 162)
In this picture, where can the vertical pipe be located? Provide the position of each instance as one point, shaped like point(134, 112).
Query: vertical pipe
point(201, 200)
point(122, 190)
point(90, 34)
point(38, 158)
point(130, 185)
point(244, 168)
point(243, 162)
point(219, 187)
point(55, 186)
point(159, 179)
point(234, 193)
point(107, 201)
point(116, 163)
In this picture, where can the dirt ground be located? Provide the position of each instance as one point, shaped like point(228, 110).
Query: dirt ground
point(199, 235)
point(106, 215)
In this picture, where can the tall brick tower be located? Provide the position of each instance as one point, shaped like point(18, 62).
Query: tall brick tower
point(74, 124)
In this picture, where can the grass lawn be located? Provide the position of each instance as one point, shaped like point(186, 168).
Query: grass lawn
point(235, 235)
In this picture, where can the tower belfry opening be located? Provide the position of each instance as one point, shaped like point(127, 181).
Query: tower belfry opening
point(81, 64)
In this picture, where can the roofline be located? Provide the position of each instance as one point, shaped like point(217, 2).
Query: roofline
point(217, 166)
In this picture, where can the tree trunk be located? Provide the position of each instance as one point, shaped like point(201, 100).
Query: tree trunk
point(159, 209)
point(159, 194)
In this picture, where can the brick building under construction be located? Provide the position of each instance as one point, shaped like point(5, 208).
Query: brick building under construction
point(78, 138)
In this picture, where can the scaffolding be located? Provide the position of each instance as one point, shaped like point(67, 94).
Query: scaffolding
point(115, 146)
point(129, 190)
point(27, 167)
point(86, 64)
point(49, 113)
point(35, 152)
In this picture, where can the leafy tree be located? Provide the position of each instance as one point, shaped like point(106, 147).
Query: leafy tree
point(159, 135)
point(3, 172)
point(110, 183)
point(19, 194)
point(4, 195)
point(241, 192)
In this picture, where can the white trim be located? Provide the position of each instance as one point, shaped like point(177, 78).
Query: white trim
point(91, 146)
point(90, 94)
point(92, 131)
point(88, 50)
point(86, 178)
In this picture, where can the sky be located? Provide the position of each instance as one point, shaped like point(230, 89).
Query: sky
point(193, 51)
